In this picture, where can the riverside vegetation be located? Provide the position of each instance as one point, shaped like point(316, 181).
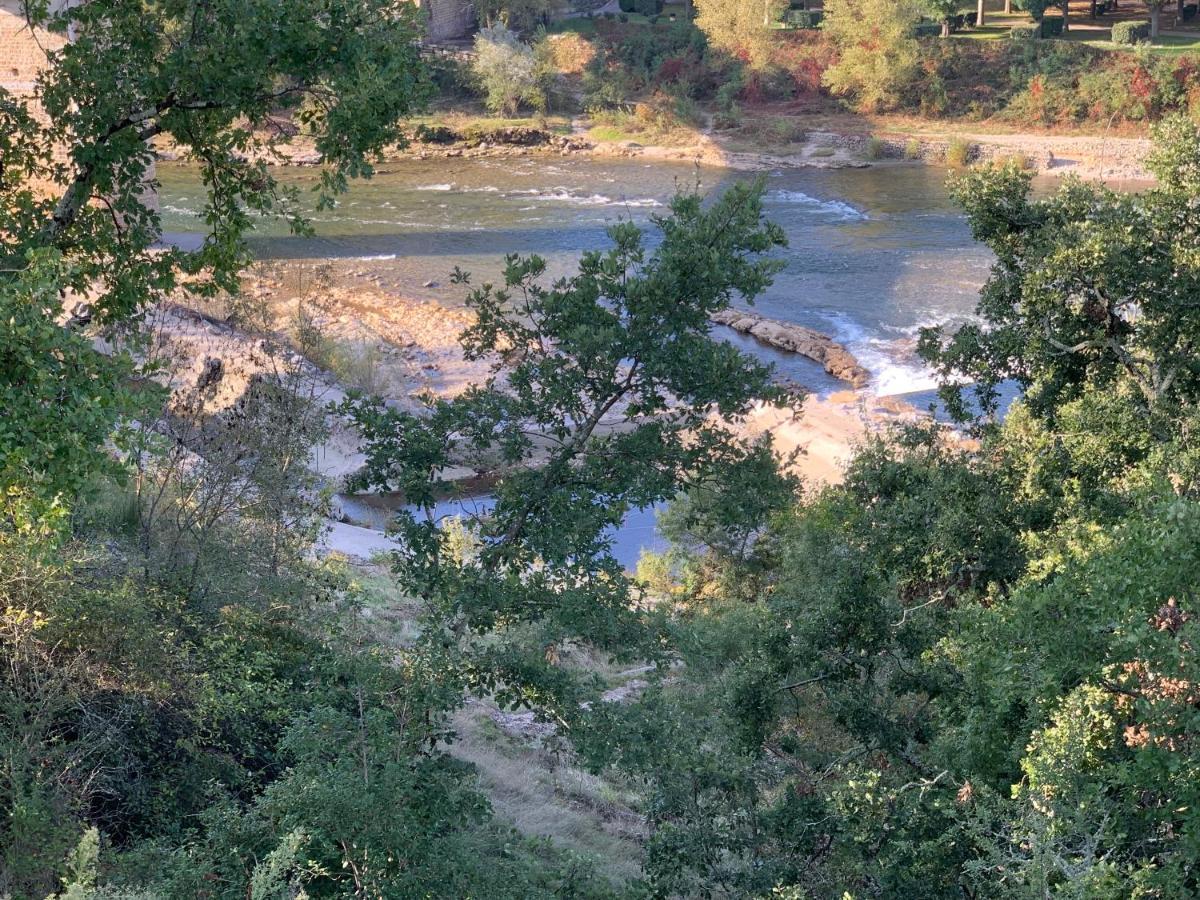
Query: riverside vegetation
point(660, 78)
point(970, 669)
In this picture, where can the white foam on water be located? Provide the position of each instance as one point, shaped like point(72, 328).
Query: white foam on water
point(894, 367)
point(435, 187)
point(566, 195)
point(838, 208)
point(380, 257)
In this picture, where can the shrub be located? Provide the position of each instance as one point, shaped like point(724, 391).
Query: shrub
point(803, 18)
point(648, 8)
point(628, 6)
point(507, 71)
point(912, 149)
point(787, 131)
point(927, 29)
point(878, 65)
point(1025, 32)
point(568, 53)
point(959, 153)
point(874, 148)
point(1130, 32)
point(1052, 27)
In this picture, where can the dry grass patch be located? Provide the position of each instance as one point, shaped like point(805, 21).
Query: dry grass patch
point(541, 794)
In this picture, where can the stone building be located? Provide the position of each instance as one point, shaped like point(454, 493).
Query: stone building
point(22, 50)
point(448, 20)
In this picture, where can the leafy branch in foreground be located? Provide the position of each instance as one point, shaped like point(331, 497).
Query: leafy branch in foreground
point(608, 394)
point(212, 79)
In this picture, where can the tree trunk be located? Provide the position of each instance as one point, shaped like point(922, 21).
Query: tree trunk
point(979, 14)
point(1155, 12)
point(945, 28)
point(1093, 10)
point(1008, 7)
point(1066, 9)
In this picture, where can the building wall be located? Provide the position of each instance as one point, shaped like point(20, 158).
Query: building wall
point(21, 51)
point(447, 20)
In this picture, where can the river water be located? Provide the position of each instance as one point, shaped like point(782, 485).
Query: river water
point(873, 253)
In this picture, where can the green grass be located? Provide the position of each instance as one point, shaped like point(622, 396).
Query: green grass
point(1082, 32)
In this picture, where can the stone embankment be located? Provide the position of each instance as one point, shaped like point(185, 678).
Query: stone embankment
point(836, 359)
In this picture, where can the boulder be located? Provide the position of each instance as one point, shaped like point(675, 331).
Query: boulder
point(836, 359)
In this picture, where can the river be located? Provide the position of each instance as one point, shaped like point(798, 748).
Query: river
point(873, 253)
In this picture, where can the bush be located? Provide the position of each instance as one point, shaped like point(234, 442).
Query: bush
point(1052, 27)
point(927, 29)
point(1130, 32)
point(874, 148)
point(648, 8)
point(912, 149)
point(802, 18)
point(1025, 32)
point(507, 71)
point(628, 6)
point(568, 53)
point(959, 153)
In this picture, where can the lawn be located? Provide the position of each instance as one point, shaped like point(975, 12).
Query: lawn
point(1083, 31)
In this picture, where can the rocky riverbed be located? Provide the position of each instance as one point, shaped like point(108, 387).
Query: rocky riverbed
point(836, 359)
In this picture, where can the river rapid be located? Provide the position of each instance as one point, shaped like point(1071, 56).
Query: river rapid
point(873, 254)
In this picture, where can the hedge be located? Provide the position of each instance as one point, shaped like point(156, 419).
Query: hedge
point(1025, 32)
point(1130, 32)
point(927, 29)
point(803, 18)
point(1052, 26)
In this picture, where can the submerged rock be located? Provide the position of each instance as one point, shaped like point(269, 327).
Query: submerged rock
point(837, 360)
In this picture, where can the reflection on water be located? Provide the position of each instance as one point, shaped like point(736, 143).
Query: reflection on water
point(873, 253)
point(637, 533)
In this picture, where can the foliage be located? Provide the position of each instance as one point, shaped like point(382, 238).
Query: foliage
point(200, 76)
point(959, 152)
point(606, 403)
point(964, 672)
point(878, 57)
point(1130, 32)
point(518, 15)
point(507, 71)
point(740, 27)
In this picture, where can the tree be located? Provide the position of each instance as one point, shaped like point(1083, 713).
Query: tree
point(878, 56)
point(611, 395)
point(209, 78)
point(507, 70)
point(944, 11)
point(740, 27)
point(1090, 289)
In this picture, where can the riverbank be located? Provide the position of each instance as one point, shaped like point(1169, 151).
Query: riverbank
point(818, 141)
point(344, 332)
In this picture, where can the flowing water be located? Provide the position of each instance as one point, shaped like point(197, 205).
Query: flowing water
point(873, 253)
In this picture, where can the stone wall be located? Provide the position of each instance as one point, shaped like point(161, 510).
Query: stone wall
point(448, 20)
point(22, 52)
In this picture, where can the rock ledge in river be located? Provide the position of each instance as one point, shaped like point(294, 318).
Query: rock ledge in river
point(837, 360)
